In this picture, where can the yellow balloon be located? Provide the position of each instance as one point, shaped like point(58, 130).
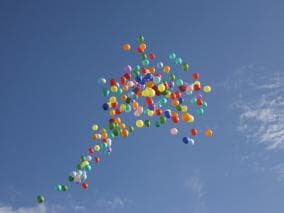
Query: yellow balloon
point(95, 127)
point(139, 123)
point(207, 88)
point(113, 88)
point(148, 92)
point(150, 113)
point(161, 87)
point(112, 99)
point(122, 107)
point(97, 148)
point(184, 108)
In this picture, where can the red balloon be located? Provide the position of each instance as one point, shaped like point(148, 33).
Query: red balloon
point(114, 104)
point(112, 82)
point(139, 50)
point(117, 111)
point(97, 160)
point(175, 119)
point(195, 76)
point(85, 185)
point(149, 101)
point(182, 88)
point(178, 94)
point(123, 80)
point(152, 56)
point(196, 87)
point(159, 112)
point(173, 96)
point(127, 76)
point(199, 102)
point(91, 150)
point(193, 132)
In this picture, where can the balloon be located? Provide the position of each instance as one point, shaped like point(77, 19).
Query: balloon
point(208, 132)
point(139, 123)
point(172, 56)
point(126, 47)
point(40, 199)
point(174, 131)
point(102, 81)
point(186, 140)
point(58, 187)
point(95, 127)
point(207, 89)
point(85, 185)
point(195, 76)
point(193, 132)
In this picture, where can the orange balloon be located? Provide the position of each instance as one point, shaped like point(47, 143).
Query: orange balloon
point(167, 69)
point(152, 70)
point(208, 132)
point(123, 97)
point(135, 105)
point(175, 103)
point(124, 133)
point(143, 46)
point(126, 47)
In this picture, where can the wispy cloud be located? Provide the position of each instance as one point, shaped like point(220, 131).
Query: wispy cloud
point(260, 103)
point(10, 209)
point(196, 187)
point(279, 171)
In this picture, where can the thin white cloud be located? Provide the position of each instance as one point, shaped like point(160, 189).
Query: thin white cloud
point(10, 209)
point(279, 171)
point(112, 203)
point(196, 187)
point(260, 103)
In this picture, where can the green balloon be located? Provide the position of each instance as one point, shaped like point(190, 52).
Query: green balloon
point(111, 126)
point(163, 119)
point(58, 187)
point(70, 178)
point(172, 77)
point(179, 82)
point(141, 38)
point(64, 188)
point(178, 61)
point(172, 56)
point(88, 168)
point(130, 128)
point(111, 135)
point(145, 62)
point(128, 100)
point(105, 92)
point(79, 167)
point(158, 124)
point(185, 67)
point(200, 111)
point(178, 108)
point(115, 132)
point(143, 56)
point(193, 100)
point(40, 198)
point(147, 123)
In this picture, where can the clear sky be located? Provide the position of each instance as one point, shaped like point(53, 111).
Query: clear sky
point(53, 52)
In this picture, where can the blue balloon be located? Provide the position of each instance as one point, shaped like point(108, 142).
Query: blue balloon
point(105, 106)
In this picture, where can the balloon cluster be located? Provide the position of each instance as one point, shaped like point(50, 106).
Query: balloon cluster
point(150, 91)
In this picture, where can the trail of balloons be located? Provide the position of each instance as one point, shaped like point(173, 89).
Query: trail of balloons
point(151, 91)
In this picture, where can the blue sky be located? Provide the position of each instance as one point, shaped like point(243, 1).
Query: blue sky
point(51, 55)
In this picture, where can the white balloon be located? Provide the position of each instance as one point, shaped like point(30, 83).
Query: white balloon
point(174, 131)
